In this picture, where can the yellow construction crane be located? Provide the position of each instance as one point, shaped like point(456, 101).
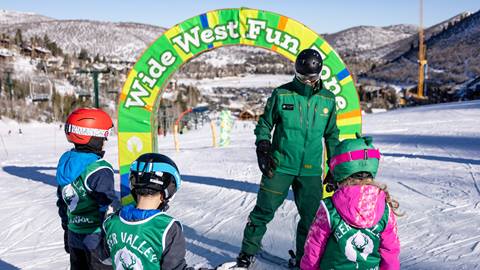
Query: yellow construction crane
point(422, 60)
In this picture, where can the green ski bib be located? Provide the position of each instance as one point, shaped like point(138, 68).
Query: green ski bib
point(351, 248)
point(137, 244)
point(82, 210)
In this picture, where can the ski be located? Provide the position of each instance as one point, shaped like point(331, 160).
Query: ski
point(266, 257)
point(273, 259)
point(231, 266)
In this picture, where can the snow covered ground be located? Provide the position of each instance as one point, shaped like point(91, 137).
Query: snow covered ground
point(431, 164)
point(247, 81)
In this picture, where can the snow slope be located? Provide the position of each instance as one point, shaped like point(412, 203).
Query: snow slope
point(10, 17)
point(125, 41)
point(368, 38)
point(430, 162)
point(248, 81)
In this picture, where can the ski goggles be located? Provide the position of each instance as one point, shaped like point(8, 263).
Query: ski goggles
point(308, 78)
point(352, 156)
point(154, 172)
point(95, 132)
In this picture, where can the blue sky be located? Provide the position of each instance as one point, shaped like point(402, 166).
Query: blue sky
point(322, 16)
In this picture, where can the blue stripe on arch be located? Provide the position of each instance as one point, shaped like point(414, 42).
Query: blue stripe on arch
point(343, 74)
point(204, 20)
point(124, 185)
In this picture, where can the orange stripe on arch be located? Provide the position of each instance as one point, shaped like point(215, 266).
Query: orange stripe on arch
point(351, 114)
point(123, 96)
point(282, 23)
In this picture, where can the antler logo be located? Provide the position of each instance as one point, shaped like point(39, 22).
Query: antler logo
point(126, 260)
point(70, 197)
point(358, 244)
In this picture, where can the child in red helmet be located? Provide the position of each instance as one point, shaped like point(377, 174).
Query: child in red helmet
point(85, 188)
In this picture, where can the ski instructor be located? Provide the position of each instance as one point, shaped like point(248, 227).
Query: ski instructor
point(303, 115)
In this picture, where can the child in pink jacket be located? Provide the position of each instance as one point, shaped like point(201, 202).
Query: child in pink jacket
point(356, 228)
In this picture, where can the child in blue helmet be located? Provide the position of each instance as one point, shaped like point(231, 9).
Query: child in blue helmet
point(144, 236)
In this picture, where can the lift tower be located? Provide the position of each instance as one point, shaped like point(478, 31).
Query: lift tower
point(422, 60)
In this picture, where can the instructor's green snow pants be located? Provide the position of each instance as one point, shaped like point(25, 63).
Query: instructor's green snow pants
point(307, 191)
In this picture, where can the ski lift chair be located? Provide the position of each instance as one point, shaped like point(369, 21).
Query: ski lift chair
point(113, 91)
point(84, 93)
point(40, 96)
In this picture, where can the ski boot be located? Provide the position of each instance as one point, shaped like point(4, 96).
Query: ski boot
point(245, 261)
point(292, 262)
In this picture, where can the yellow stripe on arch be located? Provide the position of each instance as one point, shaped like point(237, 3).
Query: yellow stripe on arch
point(346, 136)
point(213, 19)
point(300, 31)
point(325, 48)
point(173, 32)
point(128, 83)
point(133, 145)
point(150, 100)
point(244, 14)
point(349, 121)
point(346, 80)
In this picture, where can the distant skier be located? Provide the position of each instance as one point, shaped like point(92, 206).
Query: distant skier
point(85, 188)
point(303, 115)
point(144, 236)
point(356, 228)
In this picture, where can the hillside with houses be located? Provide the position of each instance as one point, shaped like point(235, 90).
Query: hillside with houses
point(47, 66)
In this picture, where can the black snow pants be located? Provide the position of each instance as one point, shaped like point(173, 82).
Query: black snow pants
point(87, 252)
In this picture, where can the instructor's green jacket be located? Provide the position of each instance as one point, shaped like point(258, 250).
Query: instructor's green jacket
point(302, 116)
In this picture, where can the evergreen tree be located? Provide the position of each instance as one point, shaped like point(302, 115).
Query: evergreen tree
point(52, 46)
point(46, 41)
point(97, 58)
point(33, 41)
point(18, 38)
point(83, 55)
point(66, 60)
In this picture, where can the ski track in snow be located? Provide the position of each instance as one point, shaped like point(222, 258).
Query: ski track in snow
point(430, 162)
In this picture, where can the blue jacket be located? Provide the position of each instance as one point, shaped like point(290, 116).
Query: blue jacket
point(71, 164)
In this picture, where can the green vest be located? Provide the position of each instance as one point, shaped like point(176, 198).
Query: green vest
point(349, 247)
point(137, 244)
point(82, 210)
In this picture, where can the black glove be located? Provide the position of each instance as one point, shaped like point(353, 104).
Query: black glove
point(65, 241)
point(329, 182)
point(264, 157)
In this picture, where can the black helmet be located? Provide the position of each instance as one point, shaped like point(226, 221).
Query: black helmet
point(151, 173)
point(308, 65)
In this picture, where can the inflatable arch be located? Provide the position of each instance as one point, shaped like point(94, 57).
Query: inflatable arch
point(141, 93)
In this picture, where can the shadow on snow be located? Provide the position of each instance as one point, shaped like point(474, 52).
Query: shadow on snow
point(448, 142)
point(436, 158)
point(6, 266)
point(36, 173)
